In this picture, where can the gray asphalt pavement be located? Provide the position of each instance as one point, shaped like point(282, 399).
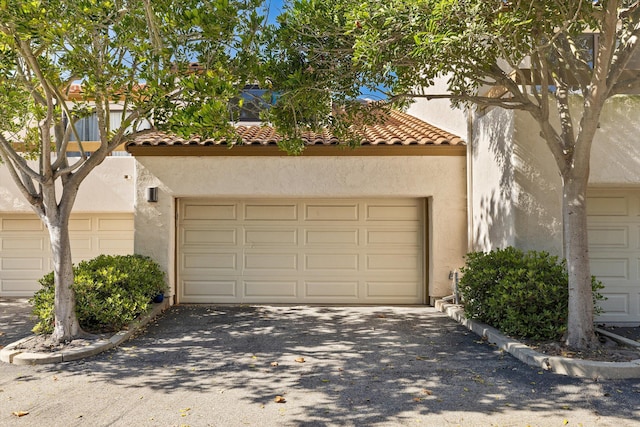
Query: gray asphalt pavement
point(344, 366)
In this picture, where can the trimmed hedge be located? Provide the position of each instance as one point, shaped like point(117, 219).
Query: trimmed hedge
point(111, 291)
point(524, 295)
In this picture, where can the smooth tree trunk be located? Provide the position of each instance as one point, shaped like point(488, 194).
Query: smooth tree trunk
point(580, 322)
point(66, 326)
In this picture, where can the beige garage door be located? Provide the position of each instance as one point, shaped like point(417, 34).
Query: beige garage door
point(309, 251)
point(25, 255)
point(614, 246)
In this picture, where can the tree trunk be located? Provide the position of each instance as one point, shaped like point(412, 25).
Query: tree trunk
point(580, 323)
point(66, 326)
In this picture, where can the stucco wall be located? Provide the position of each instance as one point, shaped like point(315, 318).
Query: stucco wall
point(439, 112)
point(440, 179)
point(108, 188)
point(615, 155)
point(516, 187)
point(492, 174)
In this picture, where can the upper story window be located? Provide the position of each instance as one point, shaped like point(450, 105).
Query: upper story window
point(253, 102)
point(88, 131)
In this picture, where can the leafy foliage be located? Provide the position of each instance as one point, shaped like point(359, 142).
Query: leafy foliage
point(538, 56)
point(170, 65)
point(522, 294)
point(111, 291)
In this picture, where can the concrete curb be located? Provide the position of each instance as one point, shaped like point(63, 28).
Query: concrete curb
point(556, 364)
point(12, 354)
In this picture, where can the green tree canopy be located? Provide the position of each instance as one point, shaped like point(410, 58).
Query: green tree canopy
point(529, 55)
point(135, 57)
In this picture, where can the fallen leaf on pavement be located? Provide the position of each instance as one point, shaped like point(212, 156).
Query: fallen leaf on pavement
point(300, 360)
point(20, 413)
point(279, 399)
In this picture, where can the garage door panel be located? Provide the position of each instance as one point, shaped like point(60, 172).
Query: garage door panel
point(331, 237)
point(263, 261)
point(114, 225)
point(223, 262)
point(18, 287)
point(392, 237)
point(311, 251)
point(200, 237)
point(391, 289)
point(324, 290)
point(209, 288)
point(609, 237)
point(114, 246)
point(392, 262)
point(22, 224)
point(610, 268)
point(616, 304)
point(266, 236)
point(346, 212)
point(22, 264)
point(608, 206)
point(270, 288)
point(261, 212)
point(23, 243)
point(210, 212)
point(80, 224)
point(392, 213)
point(81, 244)
point(330, 262)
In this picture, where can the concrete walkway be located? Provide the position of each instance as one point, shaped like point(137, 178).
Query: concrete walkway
point(343, 366)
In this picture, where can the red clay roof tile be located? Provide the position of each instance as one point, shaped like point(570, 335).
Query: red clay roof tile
point(397, 129)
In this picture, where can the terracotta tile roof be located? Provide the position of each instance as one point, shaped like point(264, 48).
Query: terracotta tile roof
point(398, 129)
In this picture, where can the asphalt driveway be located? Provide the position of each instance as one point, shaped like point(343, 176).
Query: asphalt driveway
point(225, 365)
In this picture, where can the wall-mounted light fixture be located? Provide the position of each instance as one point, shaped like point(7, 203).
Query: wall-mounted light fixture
point(152, 194)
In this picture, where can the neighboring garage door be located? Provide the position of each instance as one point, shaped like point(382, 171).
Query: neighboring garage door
point(614, 246)
point(25, 254)
point(301, 251)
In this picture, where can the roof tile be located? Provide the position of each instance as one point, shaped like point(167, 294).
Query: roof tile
point(397, 128)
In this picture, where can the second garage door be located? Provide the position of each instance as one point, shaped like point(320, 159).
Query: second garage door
point(301, 251)
point(614, 251)
point(25, 253)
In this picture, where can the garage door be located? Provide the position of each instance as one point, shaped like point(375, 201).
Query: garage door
point(25, 255)
point(614, 246)
point(309, 251)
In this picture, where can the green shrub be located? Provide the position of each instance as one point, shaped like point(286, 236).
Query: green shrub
point(524, 295)
point(111, 291)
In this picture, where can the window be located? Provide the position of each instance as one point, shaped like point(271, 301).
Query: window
point(253, 102)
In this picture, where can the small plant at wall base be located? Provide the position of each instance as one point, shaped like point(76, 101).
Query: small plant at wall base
point(111, 291)
point(523, 294)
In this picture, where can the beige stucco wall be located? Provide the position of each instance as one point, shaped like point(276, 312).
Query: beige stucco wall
point(516, 188)
point(439, 112)
point(442, 180)
point(108, 188)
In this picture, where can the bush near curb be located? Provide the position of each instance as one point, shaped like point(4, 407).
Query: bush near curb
point(524, 295)
point(111, 291)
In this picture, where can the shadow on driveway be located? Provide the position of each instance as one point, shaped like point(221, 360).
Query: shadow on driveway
point(224, 365)
point(16, 320)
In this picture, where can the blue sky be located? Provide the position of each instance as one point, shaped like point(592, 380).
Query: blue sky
point(275, 7)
